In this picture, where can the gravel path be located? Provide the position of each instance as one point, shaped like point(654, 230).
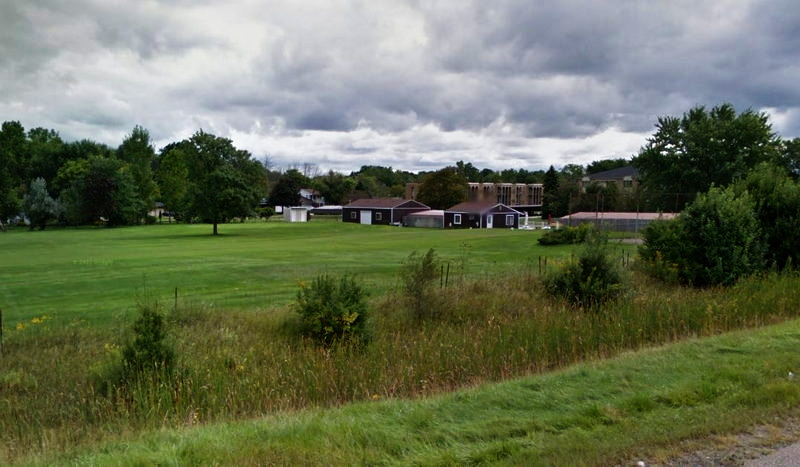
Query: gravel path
point(771, 445)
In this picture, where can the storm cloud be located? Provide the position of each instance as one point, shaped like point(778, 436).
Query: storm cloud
point(413, 85)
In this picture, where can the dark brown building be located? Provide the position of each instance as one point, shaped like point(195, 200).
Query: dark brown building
point(481, 215)
point(384, 211)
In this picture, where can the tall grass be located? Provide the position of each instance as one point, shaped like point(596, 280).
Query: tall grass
point(245, 364)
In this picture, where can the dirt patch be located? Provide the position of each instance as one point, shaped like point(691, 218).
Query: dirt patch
point(732, 449)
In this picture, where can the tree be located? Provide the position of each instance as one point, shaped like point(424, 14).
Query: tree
point(334, 187)
point(443, 188)
point(790, 153)
point(688, 155)
point(606, 164)
point(286, 191)
point(469, 171)
point(777, 206)
point(107, 191)
point(48, 154)
point(139, 154)
point(173, 178)
point(38, 205)
point(224, 182)
point(13, 157)
point(550, 196)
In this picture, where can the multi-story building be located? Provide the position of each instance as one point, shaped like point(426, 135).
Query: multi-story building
point(524, 197)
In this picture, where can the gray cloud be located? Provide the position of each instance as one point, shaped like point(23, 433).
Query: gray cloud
point(413, 85)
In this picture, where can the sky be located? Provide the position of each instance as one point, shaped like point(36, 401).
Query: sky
point(415, 85)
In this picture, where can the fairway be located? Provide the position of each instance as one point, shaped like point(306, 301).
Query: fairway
point(98, 274)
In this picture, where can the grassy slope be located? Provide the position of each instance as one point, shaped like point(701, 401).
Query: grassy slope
point(591, 413)
point(98, 274)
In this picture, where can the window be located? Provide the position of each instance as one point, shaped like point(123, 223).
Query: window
point(378, 216)
point(456, 219)
point(353, 214)
point(509, 220)
point(627, 183)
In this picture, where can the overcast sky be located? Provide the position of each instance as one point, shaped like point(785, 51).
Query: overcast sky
point(411, 84)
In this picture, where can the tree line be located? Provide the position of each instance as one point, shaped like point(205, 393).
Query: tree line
point(206, 178)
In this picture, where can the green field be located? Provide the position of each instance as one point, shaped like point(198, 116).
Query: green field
point(99, 274)
point(241, 354)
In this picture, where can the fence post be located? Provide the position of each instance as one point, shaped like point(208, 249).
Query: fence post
point(1, 331)
point(447, 275)
point(175, 307)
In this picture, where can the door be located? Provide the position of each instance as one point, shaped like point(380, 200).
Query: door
point(366, 217)
point(489, 221)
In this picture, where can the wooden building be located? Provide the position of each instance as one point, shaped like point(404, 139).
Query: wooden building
point(386, 211)
point(481, 215)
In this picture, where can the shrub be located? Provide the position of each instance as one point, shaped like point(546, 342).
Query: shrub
point(566, 235)
point(419, 275)
point(266, 212)
point(716, 240)
point(149, 349)
point(663, 246)
point(593, 279)
point(332, 310)
point(148, 352)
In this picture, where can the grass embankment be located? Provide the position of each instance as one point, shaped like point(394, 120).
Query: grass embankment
point(236, 365)
point(596, 413)
point(98, 274)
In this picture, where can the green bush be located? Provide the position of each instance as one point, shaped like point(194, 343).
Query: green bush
point(149, 352)
point(716, 240)
point(566, 235)
point(332, 310)
point(149, 349)
point(266, 212)
point(663, 246)
point(419, 275)
point(594, 278)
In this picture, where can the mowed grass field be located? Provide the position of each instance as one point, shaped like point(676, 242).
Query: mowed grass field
point(99, 274)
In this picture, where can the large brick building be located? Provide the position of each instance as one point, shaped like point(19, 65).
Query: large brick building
point(524, 197)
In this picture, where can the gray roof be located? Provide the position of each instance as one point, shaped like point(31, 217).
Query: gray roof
point(615, 174)
point(384, 203)
point(478, 206)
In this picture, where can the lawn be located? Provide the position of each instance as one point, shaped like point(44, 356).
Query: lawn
point(99, 274)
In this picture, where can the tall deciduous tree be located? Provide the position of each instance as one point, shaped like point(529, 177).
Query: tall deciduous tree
point(443, 188)
point(173, 178)
point(334, 187)
point(286, 191)
point(224, 182)
point(688, 155)
point(13, 157)
point(139, 154)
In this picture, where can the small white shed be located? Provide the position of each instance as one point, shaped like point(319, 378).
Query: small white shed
point(295, 214)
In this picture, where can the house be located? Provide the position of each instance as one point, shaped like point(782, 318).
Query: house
point(616, 221)
point(311, 198)
point(433, 219)
point(481, 214)
point(384, 211)
point(626, 178)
